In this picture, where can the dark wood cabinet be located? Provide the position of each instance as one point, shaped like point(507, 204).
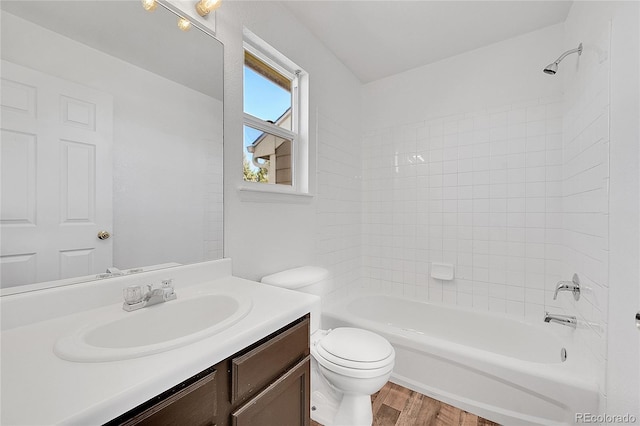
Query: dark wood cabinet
point(262, 365)
point(195, 405)
point(285, 402)
point(267, 383)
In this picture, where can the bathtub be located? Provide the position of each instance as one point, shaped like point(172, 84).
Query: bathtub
point(504, 370)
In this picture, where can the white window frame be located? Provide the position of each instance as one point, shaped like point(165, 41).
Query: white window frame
point(298, 135)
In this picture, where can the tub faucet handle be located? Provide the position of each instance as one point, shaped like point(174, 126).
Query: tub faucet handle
point(573, 286)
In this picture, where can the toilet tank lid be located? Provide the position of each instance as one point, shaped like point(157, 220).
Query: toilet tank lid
point(298, 277)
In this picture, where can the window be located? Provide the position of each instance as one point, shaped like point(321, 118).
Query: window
point(274, 143)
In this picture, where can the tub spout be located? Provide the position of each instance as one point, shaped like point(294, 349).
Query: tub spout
point(568, 320)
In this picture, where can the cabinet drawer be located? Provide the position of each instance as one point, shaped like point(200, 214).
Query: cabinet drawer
point(194, 404)
point(257, 368)
point(285, 402)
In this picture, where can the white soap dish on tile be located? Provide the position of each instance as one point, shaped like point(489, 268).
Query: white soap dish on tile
point(442, 271)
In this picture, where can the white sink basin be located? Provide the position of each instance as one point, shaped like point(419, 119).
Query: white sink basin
point(153, 329)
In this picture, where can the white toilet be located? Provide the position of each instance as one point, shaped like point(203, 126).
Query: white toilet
point(348, 364)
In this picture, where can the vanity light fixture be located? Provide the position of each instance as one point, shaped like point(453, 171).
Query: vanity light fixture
point(204, 7)
point(149, 5)
point(184, 24)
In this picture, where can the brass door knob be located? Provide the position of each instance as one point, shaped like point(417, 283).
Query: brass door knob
point(103, 235)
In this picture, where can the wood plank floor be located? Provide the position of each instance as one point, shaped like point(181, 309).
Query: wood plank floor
point(395, 405)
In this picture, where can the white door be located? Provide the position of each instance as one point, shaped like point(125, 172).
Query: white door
point(56, 177)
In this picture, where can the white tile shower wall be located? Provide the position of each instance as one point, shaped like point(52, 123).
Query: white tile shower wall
point(480, 190)
point(338, 207)
point(585, 183)
point(214, 207)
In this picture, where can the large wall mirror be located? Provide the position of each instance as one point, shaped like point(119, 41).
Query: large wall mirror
point(111, 142)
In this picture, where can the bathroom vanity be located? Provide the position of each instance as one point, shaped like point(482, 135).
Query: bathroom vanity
point(254, 367)
point(268, 380)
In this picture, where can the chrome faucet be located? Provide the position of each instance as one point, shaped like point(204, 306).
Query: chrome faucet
point(573, 286)
point(111, 272)
point(114, 271)
point(138, 297)
point(568, 320)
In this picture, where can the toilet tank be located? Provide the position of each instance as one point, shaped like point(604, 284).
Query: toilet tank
point(307, 279)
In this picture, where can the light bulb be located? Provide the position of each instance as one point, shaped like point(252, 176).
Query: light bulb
point(184, 24)
point(204, 7)
point(149, 5)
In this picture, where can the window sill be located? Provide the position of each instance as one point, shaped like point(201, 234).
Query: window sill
point(265, 193)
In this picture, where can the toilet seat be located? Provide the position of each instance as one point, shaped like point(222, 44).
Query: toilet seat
point(354, 372)
point(354, 352)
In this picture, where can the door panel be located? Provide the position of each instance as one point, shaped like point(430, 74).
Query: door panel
point(77, 176)
point(76, 263)
point(56, 152)
point(18, 178)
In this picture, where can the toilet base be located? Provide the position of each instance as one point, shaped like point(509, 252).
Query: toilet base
point(325, 399)
point(330, 407)
point(354, 410)
point(323, 409)
point(351, 410)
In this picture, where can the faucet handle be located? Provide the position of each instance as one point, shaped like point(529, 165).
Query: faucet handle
point(133, 294)
point(167, 287)
point(113, 271)
point(573, 286)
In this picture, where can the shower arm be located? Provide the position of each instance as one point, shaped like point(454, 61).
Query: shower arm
point(569, 52)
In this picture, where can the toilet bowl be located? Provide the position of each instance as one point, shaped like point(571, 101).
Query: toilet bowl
point(348, 364)
point(356, 363)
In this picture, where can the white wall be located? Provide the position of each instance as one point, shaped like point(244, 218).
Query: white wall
point(496, 75)
point(463, 165)
point(263, 236)
point(623, 348)
point(585, 183)
point(167, 160)
point(167, 174)
point(602, 193)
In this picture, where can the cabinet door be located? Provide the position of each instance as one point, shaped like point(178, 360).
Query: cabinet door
point(193, 405)
point(257, 368)
point(284, 403)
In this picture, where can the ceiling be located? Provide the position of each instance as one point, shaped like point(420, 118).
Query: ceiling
point(376, 39)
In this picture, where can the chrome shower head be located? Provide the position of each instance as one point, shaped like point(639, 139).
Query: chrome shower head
point(552, 68)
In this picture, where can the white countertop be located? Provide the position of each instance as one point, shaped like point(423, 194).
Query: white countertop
point(38, 388)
